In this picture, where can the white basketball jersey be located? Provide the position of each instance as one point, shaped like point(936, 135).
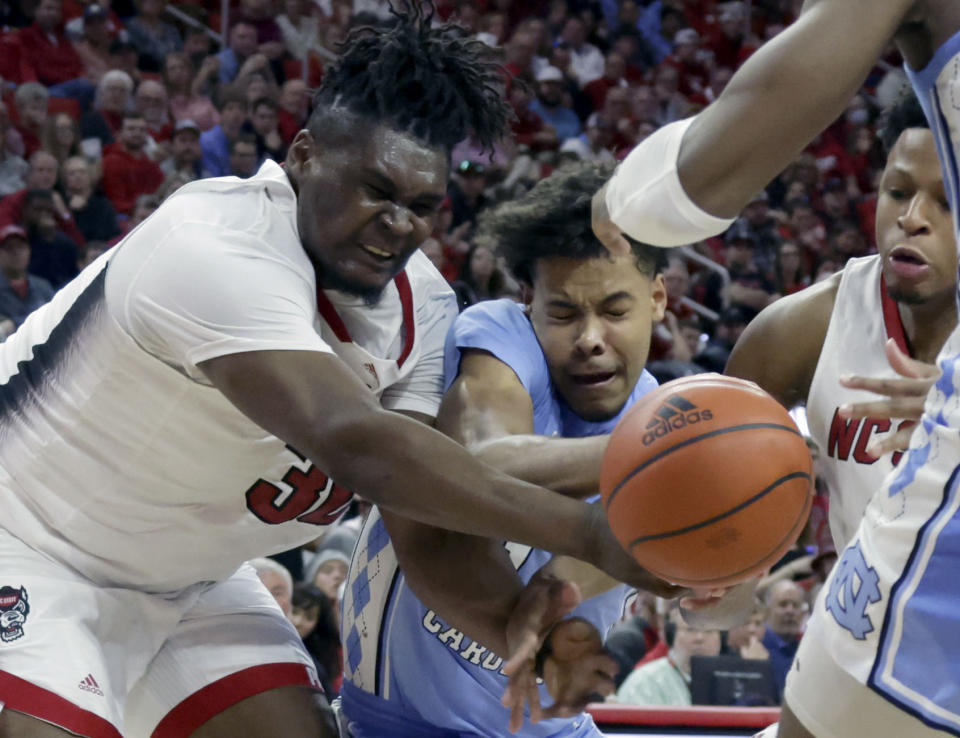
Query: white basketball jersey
point(119, 459)
point(863, 318)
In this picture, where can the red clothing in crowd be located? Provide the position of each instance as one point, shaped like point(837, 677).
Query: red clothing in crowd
point(288, 125)
point(597, 91)
point(52, 58)
point(11, 212)
point(126, 177)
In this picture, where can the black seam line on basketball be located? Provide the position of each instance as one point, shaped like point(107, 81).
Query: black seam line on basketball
point(721, 516)
point(798, 523)
point(688, 442)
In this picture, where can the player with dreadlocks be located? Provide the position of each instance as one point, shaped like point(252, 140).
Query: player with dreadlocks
point(186, 403)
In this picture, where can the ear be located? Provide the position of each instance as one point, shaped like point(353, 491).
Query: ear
point(658, 298)
point(299, 154)
point(526, 295)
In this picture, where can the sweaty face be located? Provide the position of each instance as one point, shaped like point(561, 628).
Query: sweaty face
point(915, 234)
point(364, 207)
point(593, 318)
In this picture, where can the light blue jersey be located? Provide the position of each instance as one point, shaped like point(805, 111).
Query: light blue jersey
point(889, 614)
point(407, 673)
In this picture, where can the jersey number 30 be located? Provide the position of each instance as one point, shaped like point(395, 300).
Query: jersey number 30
point(307, 486)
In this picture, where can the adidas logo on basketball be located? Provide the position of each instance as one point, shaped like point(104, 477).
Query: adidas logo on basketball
point(674, 414)
point(90, 685)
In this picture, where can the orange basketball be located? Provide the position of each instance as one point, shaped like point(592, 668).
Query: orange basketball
point(707, 481)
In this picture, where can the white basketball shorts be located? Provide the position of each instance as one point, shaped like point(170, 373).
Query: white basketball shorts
point(109, 662)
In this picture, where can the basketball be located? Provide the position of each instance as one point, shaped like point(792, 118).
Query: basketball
point(707, 481)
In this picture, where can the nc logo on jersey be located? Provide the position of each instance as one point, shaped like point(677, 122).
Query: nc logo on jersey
point(14, 609)
point(853, 588)
point(674, 414)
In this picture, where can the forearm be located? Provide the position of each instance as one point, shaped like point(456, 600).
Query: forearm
point(434, 561)
point(419, 473)
point(785, 94)
point(570, 466)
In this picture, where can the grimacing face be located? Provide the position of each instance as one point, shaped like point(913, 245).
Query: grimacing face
point(365, 206)
point(915, 235)
point(593, 318)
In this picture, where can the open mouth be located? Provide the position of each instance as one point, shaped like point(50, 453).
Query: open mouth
point(378, 254)
point(593, 379)
point(907, 263)
point(906, 256)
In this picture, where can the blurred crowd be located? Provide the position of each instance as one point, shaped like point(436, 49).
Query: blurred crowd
point(109, 106)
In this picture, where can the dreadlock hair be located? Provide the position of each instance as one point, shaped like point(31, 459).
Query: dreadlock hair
point(435, 83)
point(905, 112)
point(554, 220)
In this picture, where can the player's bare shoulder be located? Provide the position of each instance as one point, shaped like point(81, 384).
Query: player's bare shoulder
point(780, 348)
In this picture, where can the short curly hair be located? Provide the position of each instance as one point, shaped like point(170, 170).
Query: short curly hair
point(554, 220)
point(905, 112)
point(434, 82)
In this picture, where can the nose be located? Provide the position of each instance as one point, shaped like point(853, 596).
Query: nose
point(914, 221)
point(590, 341)
point(398, 220)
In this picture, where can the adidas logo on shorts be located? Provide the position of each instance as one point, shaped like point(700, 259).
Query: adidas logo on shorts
point(90, 685)
point(675, 413)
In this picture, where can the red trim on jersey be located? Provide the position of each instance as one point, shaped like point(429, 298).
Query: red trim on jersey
point(699, 716)
point(329, 313)
point(409, 324)
point(217, 696)
point(22, 696)
point(891, 319)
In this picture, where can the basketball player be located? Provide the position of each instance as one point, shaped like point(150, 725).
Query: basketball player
point(534, 389)
point(186, 403)
point(878, 658)
point(799, 347)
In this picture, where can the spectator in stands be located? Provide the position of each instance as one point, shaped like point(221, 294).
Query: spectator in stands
point(521, 52)
point(585, 59)
point(153, 36)
point(789, 275)
point(13, 167)
point(614, 68)
point(746, 641)
point(549, 104)
point(316, 623)
point(89, 252)
point(666, 681)
point(20, 292)
point(196, 45)
point(93, 213)
point(786, 612)
point(93, 45)
point(61, 137)
point(184, 161)
point(259, 13)
point(846, 241)
point(714, 356)
point(215, 143)
point(730, 44)
point(528, 128)
point(42, 175)
point(244, 156)
point(99, 126)
point(328, 572)
point(31, 101)
point(480, 278)
point(804, 226)
point(688, 59)
point(125, 58)
point(294, 108)
point(185, 90)
point(242, 47)
point(53, 255)
point(671, 104)
point(750, 287)
point(277, 580)
point(152, 102)
point(127, 171)
point(630, 640)
point(300, 28)
point(466, 191)
point(51, 56)
point(263, 122)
